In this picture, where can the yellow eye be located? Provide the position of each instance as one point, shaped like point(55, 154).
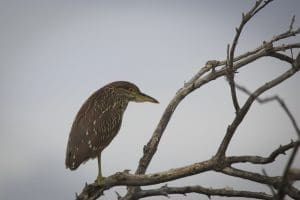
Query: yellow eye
point(131, 90)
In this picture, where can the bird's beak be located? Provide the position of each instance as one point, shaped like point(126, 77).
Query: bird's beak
point(141, 97)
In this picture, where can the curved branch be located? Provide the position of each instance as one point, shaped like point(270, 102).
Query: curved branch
point(244, 110)
point(230, 53)
point(282, 57)
point(263, 160)
point(220, 162)
point(246, 18)
point(279, 100)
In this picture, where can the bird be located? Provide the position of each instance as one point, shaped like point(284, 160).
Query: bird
point(98, 121)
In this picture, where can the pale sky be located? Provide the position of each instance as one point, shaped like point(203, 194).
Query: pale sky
point(54, 54)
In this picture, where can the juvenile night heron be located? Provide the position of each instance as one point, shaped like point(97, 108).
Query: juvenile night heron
point(98, 122)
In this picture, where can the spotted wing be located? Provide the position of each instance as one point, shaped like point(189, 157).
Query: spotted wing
point(93, 129)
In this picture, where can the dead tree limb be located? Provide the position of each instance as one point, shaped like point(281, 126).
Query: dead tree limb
point(220, 162)
point(225, 192)
point(280, 102)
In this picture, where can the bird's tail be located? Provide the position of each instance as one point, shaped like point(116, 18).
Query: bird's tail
point(70, 161)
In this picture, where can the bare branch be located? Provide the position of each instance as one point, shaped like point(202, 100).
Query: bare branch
point(261, 50)
point(124, 178)
point(233, 92)
point(212, 64)
point(290, 32)
point(212, 70)
point(230, 53)
point(270, 186)
point(285, 47)
point(92, 191)
point(246, 17)
point(284, 181)
point(254, 54)
point(272, 181)
point(279, 100)
point(251, 176)
point(243, 111)
point(230, 78)
point(95, 191)
point(294, 174)
point(297, 61)
point(263, 160)
point(292, 23)
point(282, 57)
point(227, 192)
point(250, 56)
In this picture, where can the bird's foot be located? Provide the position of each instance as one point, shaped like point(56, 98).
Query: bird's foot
point(100, 180)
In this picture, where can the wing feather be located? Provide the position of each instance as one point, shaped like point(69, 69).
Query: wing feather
point(93, 129)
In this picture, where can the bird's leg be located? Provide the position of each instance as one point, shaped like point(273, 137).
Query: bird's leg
point(100, 178)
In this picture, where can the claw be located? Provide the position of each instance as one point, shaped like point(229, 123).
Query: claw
point(100, 180)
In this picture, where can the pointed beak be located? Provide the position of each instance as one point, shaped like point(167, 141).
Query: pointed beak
point(141, 97)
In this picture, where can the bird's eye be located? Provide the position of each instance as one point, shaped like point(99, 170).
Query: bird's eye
point(131, 90)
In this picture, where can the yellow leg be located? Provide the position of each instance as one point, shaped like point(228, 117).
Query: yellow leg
point(100, 178)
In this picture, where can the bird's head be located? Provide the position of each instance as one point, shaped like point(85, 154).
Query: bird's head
point(132, 92)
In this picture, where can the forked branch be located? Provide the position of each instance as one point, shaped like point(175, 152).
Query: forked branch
point(220, 162)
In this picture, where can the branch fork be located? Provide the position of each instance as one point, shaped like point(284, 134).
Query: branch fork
point(220, 162)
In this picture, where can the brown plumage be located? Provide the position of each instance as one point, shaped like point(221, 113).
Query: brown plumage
point(99, 120)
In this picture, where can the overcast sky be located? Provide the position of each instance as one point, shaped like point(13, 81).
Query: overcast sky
point(54, 54)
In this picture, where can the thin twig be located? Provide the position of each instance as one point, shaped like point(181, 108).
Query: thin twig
point(290, 32)
point(230, 51)
point(230, 78)
point(270, 186)
point(262, 160)
point(243, 111)
point(274, 98)
point(284, 182)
